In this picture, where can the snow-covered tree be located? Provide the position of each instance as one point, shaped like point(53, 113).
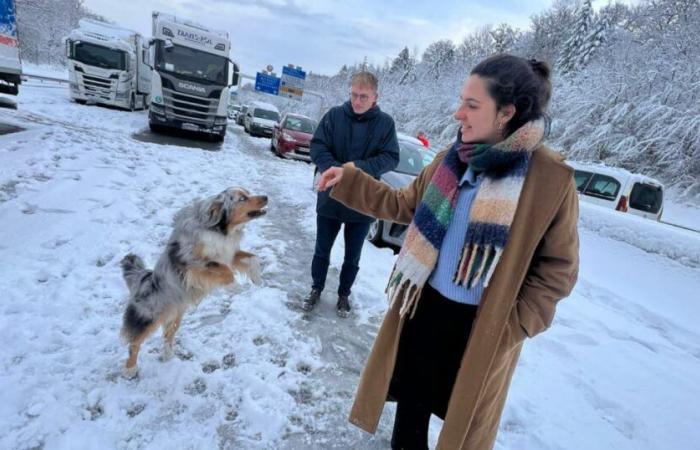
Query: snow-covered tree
point(576, 44)
point(42, 25)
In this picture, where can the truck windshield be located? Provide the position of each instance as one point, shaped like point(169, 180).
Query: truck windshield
point(95, 55)
point(192, 64)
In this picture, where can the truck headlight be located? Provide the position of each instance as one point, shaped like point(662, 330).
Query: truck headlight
point(220, 120)
point(157, 109)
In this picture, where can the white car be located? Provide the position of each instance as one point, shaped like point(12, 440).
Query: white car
point(619, 189)
point(260, 119)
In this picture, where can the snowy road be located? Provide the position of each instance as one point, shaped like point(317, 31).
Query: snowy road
point(85, 185)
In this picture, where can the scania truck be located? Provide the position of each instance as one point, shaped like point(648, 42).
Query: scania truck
point(192, 74)
point(108, 65)
point(10, 63)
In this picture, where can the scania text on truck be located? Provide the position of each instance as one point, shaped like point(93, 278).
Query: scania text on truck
point(10, 63)
point(108, 65)
point(192, 74)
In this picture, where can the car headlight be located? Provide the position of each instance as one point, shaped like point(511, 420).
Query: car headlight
point(287, 137)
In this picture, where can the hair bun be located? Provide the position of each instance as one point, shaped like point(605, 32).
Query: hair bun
point(541, 68)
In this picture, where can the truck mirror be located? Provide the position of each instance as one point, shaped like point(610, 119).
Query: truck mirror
point(235, 75)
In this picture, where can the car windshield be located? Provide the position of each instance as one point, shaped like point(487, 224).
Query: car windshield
point(98, 56)
point(265, 114)
point(299, 124)
point(413, 157)
point(192, 64)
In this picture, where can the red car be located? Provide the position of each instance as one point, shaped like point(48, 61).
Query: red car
point(292, 136)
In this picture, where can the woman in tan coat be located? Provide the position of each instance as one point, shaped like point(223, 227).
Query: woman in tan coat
point(491, 248)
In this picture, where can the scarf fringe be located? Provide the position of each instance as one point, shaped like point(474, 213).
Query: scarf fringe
point(404, 291)
point(476, 264)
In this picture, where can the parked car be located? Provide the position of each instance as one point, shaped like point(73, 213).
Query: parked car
point(233, 111)
point(619, 189)
point(241, 115)
point(292, 136)
point(260, 118)
point(413, 157)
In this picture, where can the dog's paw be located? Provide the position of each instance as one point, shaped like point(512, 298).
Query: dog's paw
point(130, 372)
point(255, 271)
point(166, 354)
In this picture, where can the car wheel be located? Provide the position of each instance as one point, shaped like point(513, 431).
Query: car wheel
point(375, 232)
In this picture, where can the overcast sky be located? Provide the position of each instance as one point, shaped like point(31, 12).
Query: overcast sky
point(321, 36)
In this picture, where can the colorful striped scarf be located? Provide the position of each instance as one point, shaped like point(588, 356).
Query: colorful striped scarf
point(504, 166)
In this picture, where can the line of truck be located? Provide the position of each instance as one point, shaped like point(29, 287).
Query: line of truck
point(182, 74)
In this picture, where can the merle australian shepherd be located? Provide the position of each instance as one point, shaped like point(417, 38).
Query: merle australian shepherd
point(203, 253)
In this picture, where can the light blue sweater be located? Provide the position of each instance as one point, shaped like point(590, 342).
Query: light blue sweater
point(453, 244)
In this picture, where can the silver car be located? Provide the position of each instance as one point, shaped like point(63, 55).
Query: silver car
point(413, 157)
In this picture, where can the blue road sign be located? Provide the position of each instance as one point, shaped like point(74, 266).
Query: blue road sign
point(269, 84)
point(292, 82)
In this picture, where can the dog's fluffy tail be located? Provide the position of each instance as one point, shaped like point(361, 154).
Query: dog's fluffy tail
point(140, 282)
point(133, 270)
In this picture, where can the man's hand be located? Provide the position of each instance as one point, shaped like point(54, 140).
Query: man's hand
point(330, 178)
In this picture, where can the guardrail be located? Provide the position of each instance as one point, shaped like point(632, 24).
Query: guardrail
point(679, 226)
point(30, 76)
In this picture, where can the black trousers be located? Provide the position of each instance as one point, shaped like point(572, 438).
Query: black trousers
point(430, 352)
point(326, 231)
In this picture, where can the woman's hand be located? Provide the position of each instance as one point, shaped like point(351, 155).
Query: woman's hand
point(330, 178)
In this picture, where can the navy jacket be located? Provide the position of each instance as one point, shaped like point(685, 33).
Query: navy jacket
point(368, 140)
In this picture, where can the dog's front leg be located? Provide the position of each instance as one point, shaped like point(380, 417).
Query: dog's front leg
point(248, 264)
point(211, 276)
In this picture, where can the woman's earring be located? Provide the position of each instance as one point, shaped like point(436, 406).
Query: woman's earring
point(500, 126)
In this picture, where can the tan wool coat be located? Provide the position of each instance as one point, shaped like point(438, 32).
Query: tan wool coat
point(539, 267)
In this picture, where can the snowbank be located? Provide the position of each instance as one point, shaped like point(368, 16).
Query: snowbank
point(650, 236)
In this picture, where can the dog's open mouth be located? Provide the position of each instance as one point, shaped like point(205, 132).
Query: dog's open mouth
point(257, 213)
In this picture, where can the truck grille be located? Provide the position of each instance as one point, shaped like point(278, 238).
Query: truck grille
point(190, 108)
point(98, 86)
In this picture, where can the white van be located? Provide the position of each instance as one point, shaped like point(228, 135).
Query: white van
point(619, 189)
point(260, 119)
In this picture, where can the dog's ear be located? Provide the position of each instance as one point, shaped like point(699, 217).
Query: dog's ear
point(214, 213)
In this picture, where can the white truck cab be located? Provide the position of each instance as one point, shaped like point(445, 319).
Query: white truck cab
point(192, 74)
point(108, 65)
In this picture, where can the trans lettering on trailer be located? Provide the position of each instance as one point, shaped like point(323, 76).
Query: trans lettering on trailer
point(194, 37)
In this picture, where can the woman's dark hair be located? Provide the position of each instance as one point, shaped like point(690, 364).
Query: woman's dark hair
point(518, 81)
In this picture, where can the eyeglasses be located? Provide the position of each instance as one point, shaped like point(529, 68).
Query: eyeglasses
point(361, 97)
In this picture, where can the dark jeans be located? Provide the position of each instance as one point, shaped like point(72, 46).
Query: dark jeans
point(326, 231)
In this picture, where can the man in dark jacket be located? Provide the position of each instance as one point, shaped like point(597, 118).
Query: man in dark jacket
point(358, 132)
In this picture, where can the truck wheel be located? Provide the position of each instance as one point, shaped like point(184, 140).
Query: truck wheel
point(132, 103)
point(155, 128)
point(145, 102)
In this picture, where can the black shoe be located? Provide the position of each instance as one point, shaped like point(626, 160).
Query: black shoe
point(343, 306)
point(311, 300)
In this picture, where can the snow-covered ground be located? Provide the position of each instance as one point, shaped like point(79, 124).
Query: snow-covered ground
point(85, 185)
